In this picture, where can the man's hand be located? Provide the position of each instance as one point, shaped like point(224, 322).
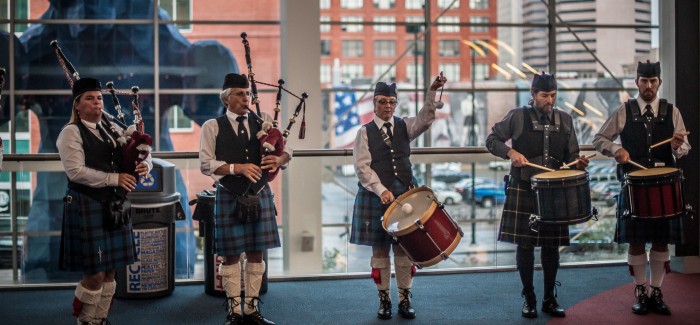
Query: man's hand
point(678, 140)
point(622, 156)
point(127, 182)
point(439, 82)
point(517, 159)
point(387, 197)
point(582, 162)
point(271, 162)
point(250, 171)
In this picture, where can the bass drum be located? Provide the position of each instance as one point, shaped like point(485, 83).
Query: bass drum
point(422, 227)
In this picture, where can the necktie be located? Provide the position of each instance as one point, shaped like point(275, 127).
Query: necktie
point(387, 125)
point(648, 113)
point(103, 134)
point(242, 132)
point(649, 116)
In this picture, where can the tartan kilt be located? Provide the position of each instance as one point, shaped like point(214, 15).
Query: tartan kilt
point(645, 230)
point(367, 217)
point(515, 221)
point(232, 237)
point(85, 245)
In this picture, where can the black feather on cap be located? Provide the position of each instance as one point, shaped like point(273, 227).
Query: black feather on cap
point(648, 69)
point(234, 80)
point(383, 89)
point(544, 82)
point(85, 84)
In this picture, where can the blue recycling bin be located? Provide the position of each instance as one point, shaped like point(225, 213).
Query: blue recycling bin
point(155, 206)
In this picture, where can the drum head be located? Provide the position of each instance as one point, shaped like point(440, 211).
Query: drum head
point(564, 173)
point(651, 172)
point(420, 200)
point(560, 174)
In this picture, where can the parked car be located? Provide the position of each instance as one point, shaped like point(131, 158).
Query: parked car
point(488, 195)
point(599, 190)
point(595, 179)
point(464, 187)
point(449, 176)
point(610, 194)
point(447, 196)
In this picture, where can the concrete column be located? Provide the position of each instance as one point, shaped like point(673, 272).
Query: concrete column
point(301, 61)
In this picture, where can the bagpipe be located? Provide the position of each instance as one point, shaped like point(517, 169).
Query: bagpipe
point(135, 143)
point(272, 140)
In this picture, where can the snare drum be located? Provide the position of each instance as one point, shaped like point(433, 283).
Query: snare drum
point(425, 231)
point(655, 192)
point(562, 197)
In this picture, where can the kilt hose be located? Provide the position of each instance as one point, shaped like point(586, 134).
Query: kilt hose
point(645, 230)
point(233, 237)
point(85, 244)
point(515, 221)
point(367, 216)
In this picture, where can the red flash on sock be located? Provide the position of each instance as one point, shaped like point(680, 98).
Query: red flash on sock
point(667, 266)
point(377, 275)
point(414, 269)
point(77, 306)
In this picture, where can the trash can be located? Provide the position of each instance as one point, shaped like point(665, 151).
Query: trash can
point(154, 208)
point(204, 213)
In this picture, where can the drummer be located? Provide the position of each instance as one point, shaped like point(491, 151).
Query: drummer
point(641, 122)
point(544, 135)
point(381, 154)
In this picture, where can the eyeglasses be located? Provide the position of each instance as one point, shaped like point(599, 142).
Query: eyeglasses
point(384, 102)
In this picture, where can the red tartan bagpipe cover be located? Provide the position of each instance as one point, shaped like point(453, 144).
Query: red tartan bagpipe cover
point(136, 146)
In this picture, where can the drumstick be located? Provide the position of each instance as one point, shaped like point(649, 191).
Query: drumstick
point(538, 166)
point(636, 164)
point(665, 141)
point(576, 161)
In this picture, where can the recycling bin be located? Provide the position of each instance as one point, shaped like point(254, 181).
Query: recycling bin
point(204, 213)
point(155, 206)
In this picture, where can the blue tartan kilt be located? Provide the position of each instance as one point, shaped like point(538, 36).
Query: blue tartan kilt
point(367, 217)
point(645, 230)
point(515, 221)
point(233, 237)
point(85, 244)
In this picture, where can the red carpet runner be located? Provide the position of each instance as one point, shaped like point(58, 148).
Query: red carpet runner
point(681, 294)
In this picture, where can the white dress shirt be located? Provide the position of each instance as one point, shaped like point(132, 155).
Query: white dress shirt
point(362, 157)
point(207, 144)
point(70, 149)
point(605, 140)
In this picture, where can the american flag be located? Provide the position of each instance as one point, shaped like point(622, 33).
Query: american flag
point(350, 115)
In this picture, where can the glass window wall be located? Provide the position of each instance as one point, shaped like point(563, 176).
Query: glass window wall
point(199, 42)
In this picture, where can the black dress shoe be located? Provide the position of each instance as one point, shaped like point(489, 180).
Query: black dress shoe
point(405, 308)
point(551, 307)
point(256, 319)
point(530, 304)
point(234, 319)
point(640, 306)
point(656, 302)
point(384, 311)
